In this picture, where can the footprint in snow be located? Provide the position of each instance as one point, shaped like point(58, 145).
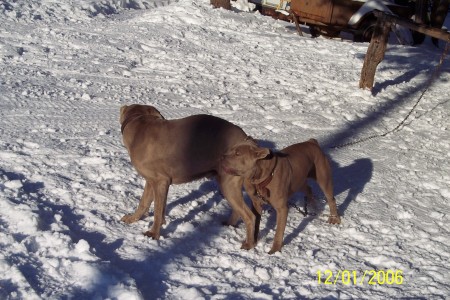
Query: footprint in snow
point(271, 128)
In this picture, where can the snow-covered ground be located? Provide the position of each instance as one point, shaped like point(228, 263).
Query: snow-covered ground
point(65, 178)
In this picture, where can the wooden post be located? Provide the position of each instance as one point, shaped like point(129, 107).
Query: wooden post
point(377, 47)
point(420, 17)
point(297, 25)
point(375, 52)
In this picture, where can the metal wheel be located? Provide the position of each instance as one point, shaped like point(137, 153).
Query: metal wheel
point(365, 30)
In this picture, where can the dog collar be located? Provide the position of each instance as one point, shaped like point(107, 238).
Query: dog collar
point(129, 120)
point(261, 188)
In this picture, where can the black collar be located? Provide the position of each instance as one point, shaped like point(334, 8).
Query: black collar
point(128, 120)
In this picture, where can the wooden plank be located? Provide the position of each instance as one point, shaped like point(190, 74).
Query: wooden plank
point(377, 47)
point(433, 32)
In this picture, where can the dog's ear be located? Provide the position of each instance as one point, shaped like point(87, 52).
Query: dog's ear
point(251, 140)
point(122, 113)
point(262, 153)
point(154, 112)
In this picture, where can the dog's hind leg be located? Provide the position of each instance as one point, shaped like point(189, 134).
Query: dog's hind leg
point(161, 188)
point(325, 181)
point(334, 217)
point(143, 207)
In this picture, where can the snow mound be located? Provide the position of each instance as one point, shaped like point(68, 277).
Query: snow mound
point(72, 10)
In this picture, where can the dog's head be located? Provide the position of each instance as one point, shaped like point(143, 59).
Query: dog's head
point(241, 159)
point(138, 110)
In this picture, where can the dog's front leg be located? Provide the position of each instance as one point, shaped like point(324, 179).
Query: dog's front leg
point(257, 211)
point(231, 187)
point(257, 204)
point(143, 207)
point(161, 188)
point(282, 213)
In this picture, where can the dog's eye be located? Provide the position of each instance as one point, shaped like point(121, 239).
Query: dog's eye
point(237, 153)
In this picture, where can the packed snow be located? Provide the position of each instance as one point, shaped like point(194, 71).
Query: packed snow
point(66, 180)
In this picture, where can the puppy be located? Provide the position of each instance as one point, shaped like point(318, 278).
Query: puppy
point(167, 152)
point(274, 177)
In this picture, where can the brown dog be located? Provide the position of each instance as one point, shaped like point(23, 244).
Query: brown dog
point(274, 177)
point(167, 152)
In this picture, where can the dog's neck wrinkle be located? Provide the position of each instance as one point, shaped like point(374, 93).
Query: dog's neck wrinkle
point(257, 177)
point(264, 169)
point(134, 117)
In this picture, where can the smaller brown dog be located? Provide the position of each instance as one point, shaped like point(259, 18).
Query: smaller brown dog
point(274, 177)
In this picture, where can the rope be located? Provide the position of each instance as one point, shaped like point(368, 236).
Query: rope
point(399, 126)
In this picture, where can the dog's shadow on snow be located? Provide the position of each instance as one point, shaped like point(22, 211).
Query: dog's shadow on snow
point(149, 274)
point(33, 194)
point(204, 189)
point(351, 178)
point(349, 181)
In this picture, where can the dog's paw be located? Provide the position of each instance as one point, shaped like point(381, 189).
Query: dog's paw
point(274, 250)
point(334, 220)
point(152, 234)
point(129, 219)
point(247, 246)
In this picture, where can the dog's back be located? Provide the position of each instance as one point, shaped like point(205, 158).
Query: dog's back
point(307, 157)
point(184, 149)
